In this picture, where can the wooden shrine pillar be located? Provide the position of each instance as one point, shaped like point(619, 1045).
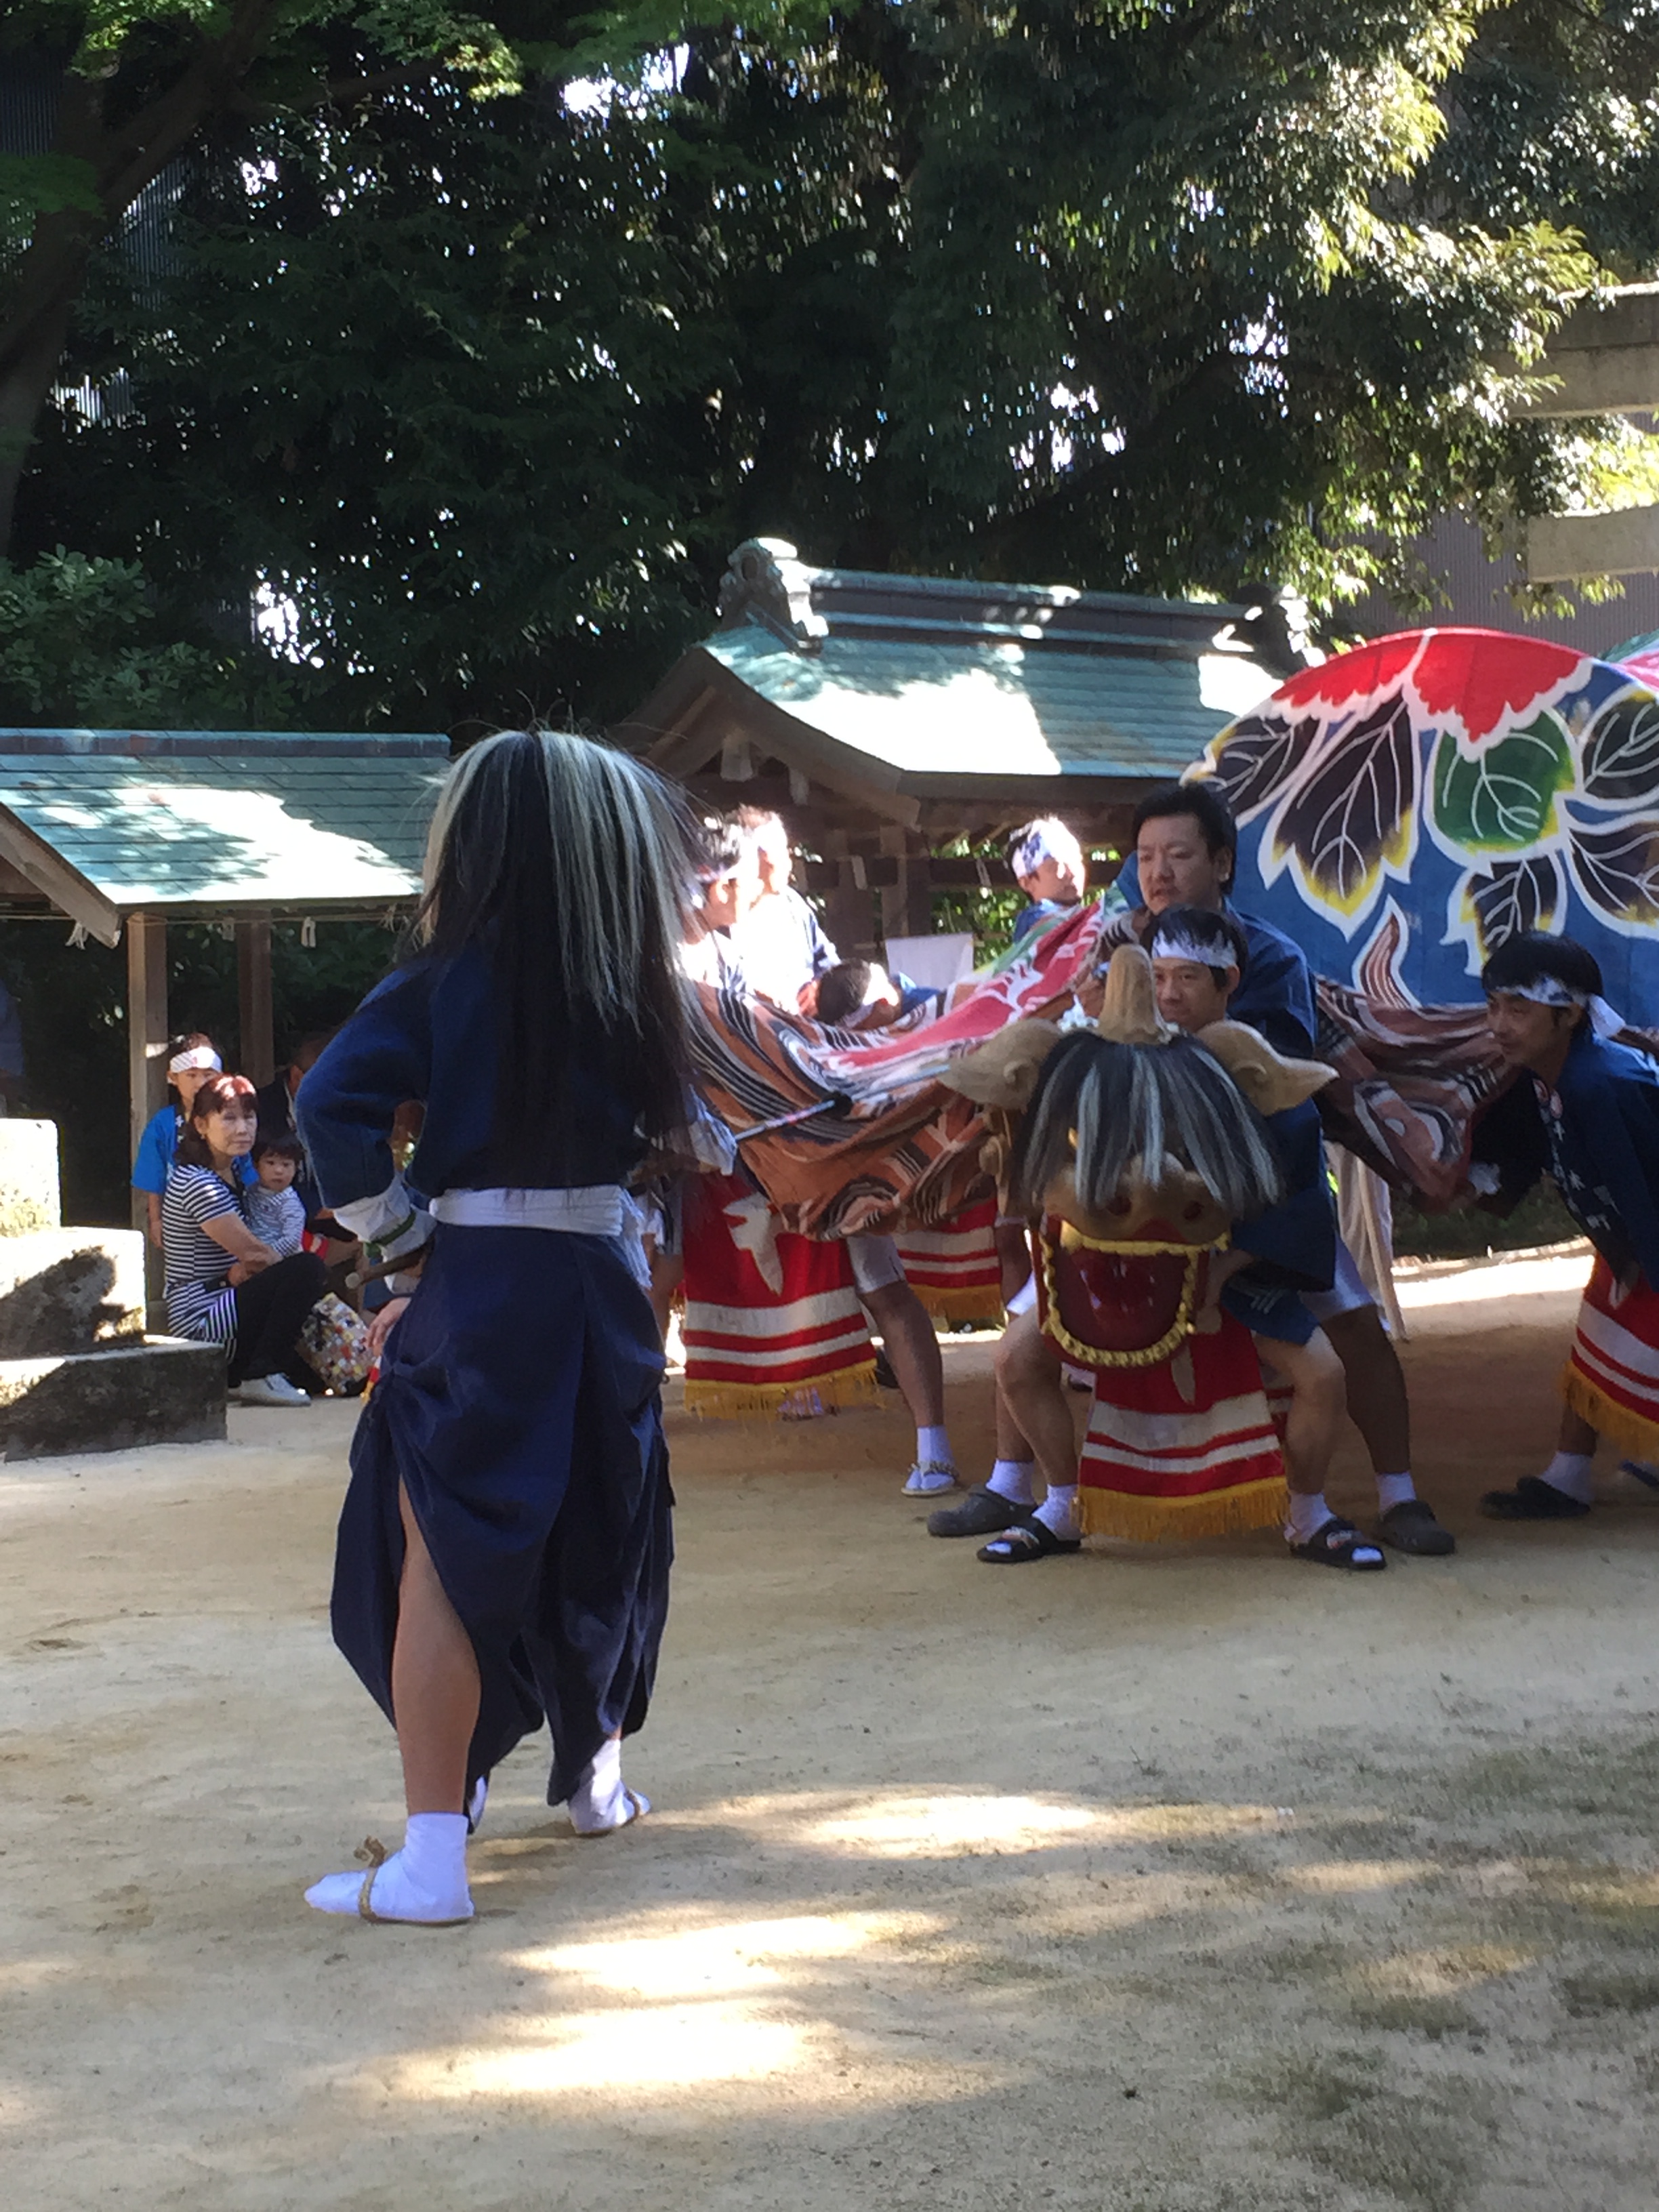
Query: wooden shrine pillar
point(253, 1001)
point(906, 904)
point(147, 1039)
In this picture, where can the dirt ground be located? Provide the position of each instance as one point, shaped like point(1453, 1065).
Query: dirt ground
point(1163, 1881)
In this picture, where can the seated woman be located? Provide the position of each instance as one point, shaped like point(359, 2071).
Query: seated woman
point(223, 1285)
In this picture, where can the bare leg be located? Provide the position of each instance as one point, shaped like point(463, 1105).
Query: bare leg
point(913, 1349)
point(1031, 1396)
point(1013, 1256)
point(667, 1273)
point(1375, 1388)
point(1011, 1442)
point(1314, 1374)
point(1577, 1435)
point(435, 1681)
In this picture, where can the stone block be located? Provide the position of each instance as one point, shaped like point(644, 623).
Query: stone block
point(69, 1290)
point(29, 1194)
point(162, 1391)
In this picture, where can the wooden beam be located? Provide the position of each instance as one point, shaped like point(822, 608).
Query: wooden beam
point(849, 909)
point(147, 1029)
point(1604, 360)
point(64, 886)
point(1560, 547)
point(253, 1011)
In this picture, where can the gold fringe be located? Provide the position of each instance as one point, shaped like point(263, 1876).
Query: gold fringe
point(983, 1305)
point(760, 1401)
point(1260, 1505)
point(1633, 1435)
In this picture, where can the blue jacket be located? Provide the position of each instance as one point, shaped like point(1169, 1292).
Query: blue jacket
point(429, 1032)
point(1601, 1125)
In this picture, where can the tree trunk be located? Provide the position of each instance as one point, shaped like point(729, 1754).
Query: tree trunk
point(121, 160)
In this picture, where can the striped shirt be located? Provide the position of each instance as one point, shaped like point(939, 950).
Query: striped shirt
point(200, 1300)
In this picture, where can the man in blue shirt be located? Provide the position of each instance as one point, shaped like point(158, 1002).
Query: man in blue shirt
point(1186, 845)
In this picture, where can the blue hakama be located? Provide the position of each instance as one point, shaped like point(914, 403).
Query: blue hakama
point(518, 1402)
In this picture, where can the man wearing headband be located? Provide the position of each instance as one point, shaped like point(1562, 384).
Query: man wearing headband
point(1186, 845)
point(192, 1062)
point(1200, 958)
point(1049, 868)
point(1598, 1135)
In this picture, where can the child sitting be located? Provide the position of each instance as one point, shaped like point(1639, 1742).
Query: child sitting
point(276, 1212)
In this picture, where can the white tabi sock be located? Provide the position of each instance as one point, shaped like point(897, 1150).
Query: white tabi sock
point(601, 1800)
point(1057, 1511)
point(425, 1882)
point(1306, 1516)
point(1570, 1473)
point(1394, 1489)
point(933, 1448)
point(1011, 1479)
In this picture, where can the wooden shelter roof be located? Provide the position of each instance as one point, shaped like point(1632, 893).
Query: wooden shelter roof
point(943, 705)
point(101, 825)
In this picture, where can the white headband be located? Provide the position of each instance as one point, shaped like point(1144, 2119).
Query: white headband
point(197, 1055)
point(1551, 990)
point(1039, 845)
point(1175, 945)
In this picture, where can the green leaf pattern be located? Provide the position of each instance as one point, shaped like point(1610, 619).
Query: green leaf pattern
point(1502, 797)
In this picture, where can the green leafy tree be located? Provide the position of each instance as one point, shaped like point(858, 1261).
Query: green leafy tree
point(1143, 296)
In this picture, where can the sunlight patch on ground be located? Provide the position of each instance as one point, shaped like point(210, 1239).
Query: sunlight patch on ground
point(680, 2047)
point(1440, 1972)
point(1332, 1877)
point(733, 1958)
point(951, 1824)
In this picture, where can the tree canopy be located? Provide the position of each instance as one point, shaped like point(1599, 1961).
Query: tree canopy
point(476, 393)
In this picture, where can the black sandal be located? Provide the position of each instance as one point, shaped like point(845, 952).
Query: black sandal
point(1337, 1543)
point(981, 1513)
point(1029, 1540)
point(1533, 1499)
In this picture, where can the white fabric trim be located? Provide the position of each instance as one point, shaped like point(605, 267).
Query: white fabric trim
point(1024, 1298)
point(368, 1218)
point(775, 1355)
point(1180, 1443)
point(1601, 1332)
point(822, 1309)
point(876, 1261)
point(600, 1209)
point(1347, 1293)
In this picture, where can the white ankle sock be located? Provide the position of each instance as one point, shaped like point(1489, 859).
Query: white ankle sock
point(1394, 1489)
point(601, 1800)
point(1057, 1511)
point(1570, 1473)
point(1306, 1516)
point(1011, 1479)
point(933, 1448)
point(426, 1882)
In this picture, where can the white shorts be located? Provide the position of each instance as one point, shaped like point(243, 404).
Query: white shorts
point(875, 1262)
point(1346, 1294)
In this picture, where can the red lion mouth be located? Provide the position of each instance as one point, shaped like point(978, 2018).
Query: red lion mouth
point(1116, 1301)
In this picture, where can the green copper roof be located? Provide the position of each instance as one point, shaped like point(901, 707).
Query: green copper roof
point(294, 825)
point(1002, 709)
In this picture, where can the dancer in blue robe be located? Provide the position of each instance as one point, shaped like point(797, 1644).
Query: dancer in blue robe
point(1589, 1117)
point(504, 1547)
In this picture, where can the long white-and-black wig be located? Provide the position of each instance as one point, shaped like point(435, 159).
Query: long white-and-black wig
point(1129, 1102)
point(567, 864)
